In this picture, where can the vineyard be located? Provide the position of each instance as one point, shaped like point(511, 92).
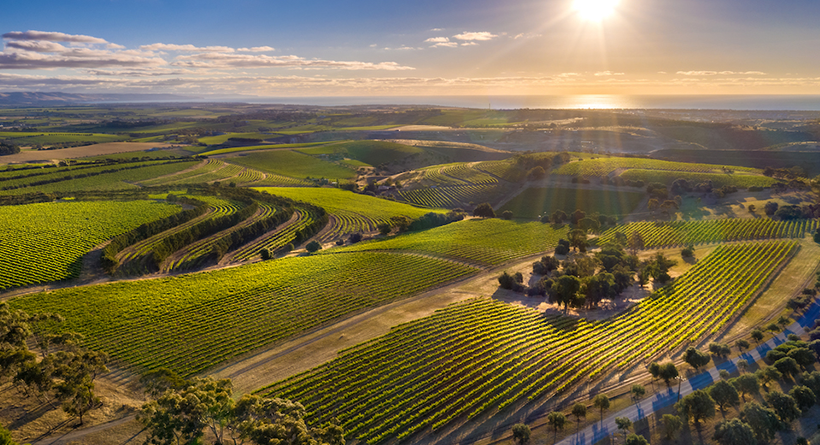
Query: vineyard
point(534, 202)
point(484, 242)
point(740, 180)
point(352, 212)
point(684, 233)
point(482, 355)
point(191, 322)
point(606, 166)
point(458, 173)
point(451, 197)
point(46, 242)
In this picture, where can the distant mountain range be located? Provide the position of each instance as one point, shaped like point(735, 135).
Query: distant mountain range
point(57, 98)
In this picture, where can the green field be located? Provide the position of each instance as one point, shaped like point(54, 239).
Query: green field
point(192, 322)
point(45, 242)
point(294, 164)
point(533, 202)
point(222, 151)
point(370, 152)
point(605, 166)
point(353, 212)
point(718, 179)
point(26, 139)
point(483, 355)
point(486, 242)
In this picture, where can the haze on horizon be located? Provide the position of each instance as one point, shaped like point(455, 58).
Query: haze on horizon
point(376, 48)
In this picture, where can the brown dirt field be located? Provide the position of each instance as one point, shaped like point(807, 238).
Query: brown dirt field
point(108, 148)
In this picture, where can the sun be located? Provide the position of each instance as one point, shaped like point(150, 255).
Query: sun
point(595, 10)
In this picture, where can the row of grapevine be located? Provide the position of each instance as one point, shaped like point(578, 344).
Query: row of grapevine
point(284, 235)
point(467, 173)
point(449, 197)
point(191, 322)
point(45, 242)
point(482, 355)
point(683, 233)
point(605, 166)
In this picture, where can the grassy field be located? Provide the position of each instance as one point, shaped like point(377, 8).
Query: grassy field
point(191, 322)
point(294, 164)
point(222, 151)
point(369, 152)
point(484, 355)
point(605, 166)
point(533, 202)
point(46, 139)
point(739, 180)
point(490, 241)
point(45, 242)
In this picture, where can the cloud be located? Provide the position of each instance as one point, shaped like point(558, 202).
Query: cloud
point(469, 44)
point(437, 29)
point(74, 58)
point(38, 46)
point(482, 35)
point(438, 40)
point(608, 73)
point(51, 37)
point(723, 73)
point(227, 60)
point(445, 45)
point(256, 49)
point(528, 35)
point(186, 48)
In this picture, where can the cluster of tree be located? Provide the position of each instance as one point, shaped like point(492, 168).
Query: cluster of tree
point(623, 182)
point(251, 231)
point(588, 222)
point(484, 210)
point(665, 205)
point(758, 423)
point(657, 190)
point(8, 148)
point(61, 145)
point(528, 161)
point(65, 371)
point(200, 410)
point(431, 220)
point(785, 173)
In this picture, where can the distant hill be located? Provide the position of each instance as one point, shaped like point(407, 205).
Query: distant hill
point(57, 98)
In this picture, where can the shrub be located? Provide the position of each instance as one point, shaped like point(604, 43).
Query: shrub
point(313, 246)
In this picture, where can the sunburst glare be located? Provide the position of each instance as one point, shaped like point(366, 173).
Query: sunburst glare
point(595, 10)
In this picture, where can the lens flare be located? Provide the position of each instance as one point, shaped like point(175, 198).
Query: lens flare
point(595, 10)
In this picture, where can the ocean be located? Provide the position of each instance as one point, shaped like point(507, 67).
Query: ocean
point(610, 102)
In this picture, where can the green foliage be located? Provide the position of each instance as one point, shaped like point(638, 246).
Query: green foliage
point(539, 201)
point(724, 394)
point(195, 321)
point(313, 246)
point(5, 437)
point(601, 401)
point(764, 421)
point(635, 439)
point(695, 358)
point(45, 242)
point(484, 210)
point(784, 406)
point(556, 421)
point(671, 424)
point(734, 432)
point(746, 384)
point(717, 179)
point(697, 406)
point(623, 424)
point(521, 434)
point(294, 164)
point(804, 396)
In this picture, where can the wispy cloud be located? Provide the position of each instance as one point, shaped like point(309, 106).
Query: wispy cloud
point(722, 73)
point(51, 37)
point(438, 40)
point(608, 73)
point(481, 35)
point(228, 60)
point(186, 48)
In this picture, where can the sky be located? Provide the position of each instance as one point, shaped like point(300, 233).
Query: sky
point(304, 48)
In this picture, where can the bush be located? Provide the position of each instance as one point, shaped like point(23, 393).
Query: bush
point(313, 246)
point(354, 238)
point(265, 254)
point(484, 210)
point(562, 248)
point(512, 282)
point(507, 214)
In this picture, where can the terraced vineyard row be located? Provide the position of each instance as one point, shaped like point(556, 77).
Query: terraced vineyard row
point(196, 253)
point(468, 174)
point(486, 242)
point(46, 242)
point(718, 179)
point(449, 197)
point(345, 223)
point(605, 166)
point(190, 322)
point(482, 355)
point(273, 241)
point(502, 169)
point(684, 233)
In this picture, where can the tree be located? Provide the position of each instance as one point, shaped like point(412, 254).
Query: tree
point(768, 375)
point(671, 425)
point(783, 321)
point(667, 372)
point(719, 349)
point(746, 384)
point(384, 228)
point(562, 248)
point(688, 252)
point(742, 366)
point(536, 173)
point(484, 210)
point(787, 366)
point(784, 406)
point(578, 239)
point(5, 437)
point(624, 424)
point(556, 420)
point(811, 380)
point(265, 253)
point(521, 433)
point(636, 242)
point(655, 371)
point(313, 246)
point(751, 208)
point(724, 394)
point(635, 439)
point(764, 421)
point(803, 356)
point(577, 216)
point(637, 392)
point(741, 344)
point(653, 204)
point(601, 401)
point(579, 410)
point(695, 358)
point(770, 208)
point(696, 406)
point(804, 396)
point(558, 217)
point(734, 432)
point(757, 335)
point(565, 289)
